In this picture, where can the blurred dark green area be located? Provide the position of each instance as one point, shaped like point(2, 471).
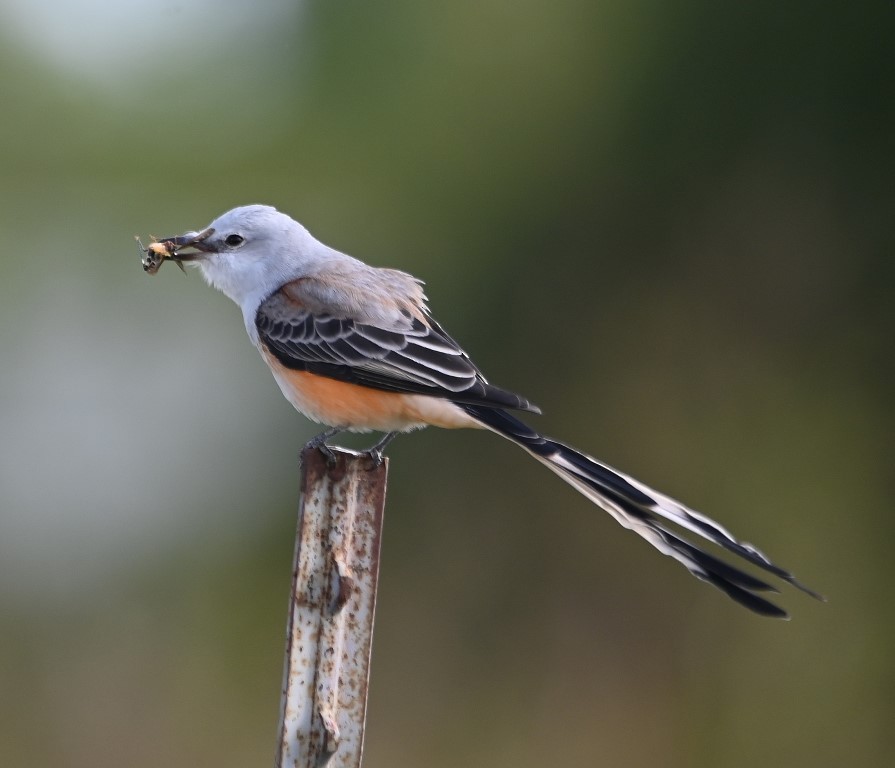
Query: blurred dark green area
point(670, 225)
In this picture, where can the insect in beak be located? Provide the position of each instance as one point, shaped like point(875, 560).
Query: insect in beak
point(169, 249)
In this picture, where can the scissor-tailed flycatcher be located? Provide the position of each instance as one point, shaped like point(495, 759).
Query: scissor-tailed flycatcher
point(355, 348)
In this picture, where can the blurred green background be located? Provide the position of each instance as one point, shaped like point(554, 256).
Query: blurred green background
point(669, 224)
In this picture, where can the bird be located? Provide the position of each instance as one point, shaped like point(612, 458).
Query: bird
point(355, 348)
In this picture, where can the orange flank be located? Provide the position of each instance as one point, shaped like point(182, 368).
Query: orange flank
point(356, 407)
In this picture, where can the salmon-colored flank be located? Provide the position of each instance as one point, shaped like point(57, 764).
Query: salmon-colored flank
point(341, 404)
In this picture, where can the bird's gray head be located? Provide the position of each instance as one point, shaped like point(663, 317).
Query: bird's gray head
point(249, 251)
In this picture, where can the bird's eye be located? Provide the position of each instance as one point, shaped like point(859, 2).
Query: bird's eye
point(234, 240)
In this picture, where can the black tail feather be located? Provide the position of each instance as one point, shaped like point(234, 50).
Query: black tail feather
point(648, 513)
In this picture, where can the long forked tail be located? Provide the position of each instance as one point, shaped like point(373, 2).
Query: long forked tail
point(650, 514)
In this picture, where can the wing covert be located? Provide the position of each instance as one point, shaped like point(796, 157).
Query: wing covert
point(417, 357)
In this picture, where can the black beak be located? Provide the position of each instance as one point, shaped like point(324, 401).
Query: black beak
point(194, 240)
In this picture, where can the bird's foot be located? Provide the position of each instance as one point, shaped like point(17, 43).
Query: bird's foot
point(319, 442)
point(376, 452)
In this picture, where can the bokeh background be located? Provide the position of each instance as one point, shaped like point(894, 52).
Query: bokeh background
point(670, 224)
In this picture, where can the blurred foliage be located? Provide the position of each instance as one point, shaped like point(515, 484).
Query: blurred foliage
point(668, 224)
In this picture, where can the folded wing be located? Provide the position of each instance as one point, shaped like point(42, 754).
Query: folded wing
point(414, 355)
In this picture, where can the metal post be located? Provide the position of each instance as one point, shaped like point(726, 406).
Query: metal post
point(329, 632)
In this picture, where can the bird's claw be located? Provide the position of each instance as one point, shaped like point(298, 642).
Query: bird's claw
point(318, 442)
point(377, 452)
point(328, 454)
point(376, 458)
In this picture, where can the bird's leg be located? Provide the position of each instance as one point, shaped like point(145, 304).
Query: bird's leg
point(319, 442)
point(376, 451)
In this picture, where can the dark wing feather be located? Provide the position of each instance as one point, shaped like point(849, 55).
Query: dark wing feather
point(418, 358)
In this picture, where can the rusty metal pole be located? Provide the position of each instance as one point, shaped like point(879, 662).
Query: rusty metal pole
point(329, 632)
